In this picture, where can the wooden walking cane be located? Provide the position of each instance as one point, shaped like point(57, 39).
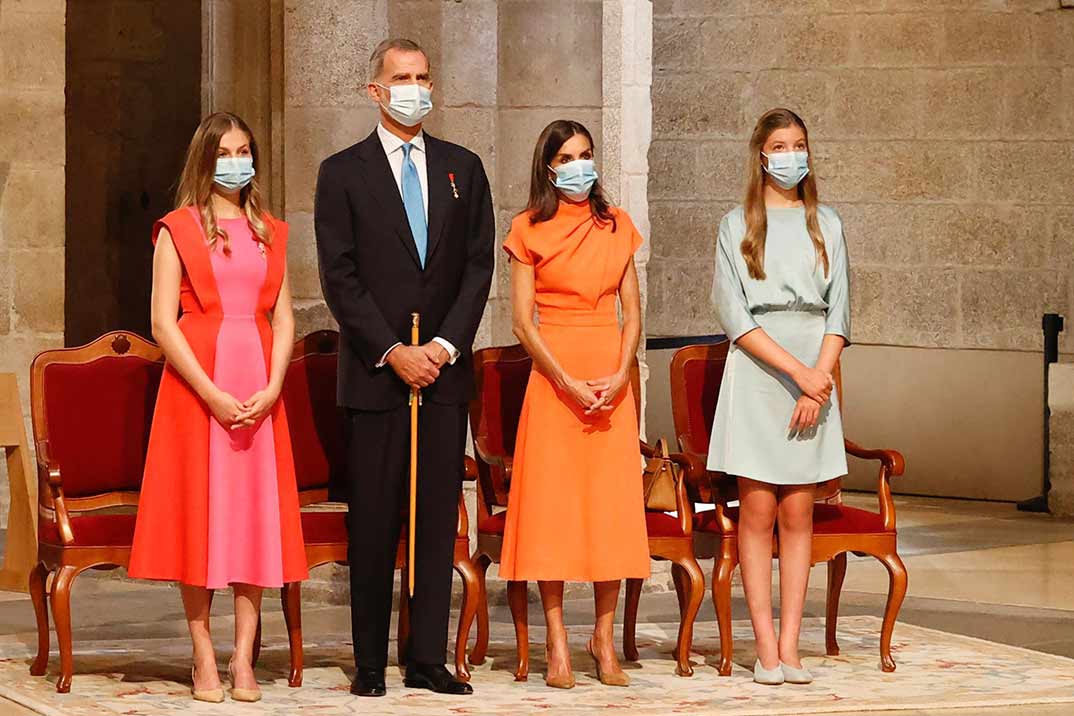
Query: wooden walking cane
point(415, 401)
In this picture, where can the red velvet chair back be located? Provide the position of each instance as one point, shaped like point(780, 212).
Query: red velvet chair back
point(501, 375)
point(314, 420)
point(696, 375)
point(93, 408)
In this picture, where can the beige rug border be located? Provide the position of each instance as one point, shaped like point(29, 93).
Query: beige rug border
point(46, 709)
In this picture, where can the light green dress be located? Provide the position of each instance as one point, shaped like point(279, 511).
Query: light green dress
point(797, 305)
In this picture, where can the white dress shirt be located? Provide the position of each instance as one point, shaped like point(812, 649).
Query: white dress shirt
point(393, 148)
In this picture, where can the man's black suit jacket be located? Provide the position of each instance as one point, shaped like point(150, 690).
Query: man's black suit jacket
point(372, 278)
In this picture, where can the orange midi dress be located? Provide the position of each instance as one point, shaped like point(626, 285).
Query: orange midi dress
point(576, 510)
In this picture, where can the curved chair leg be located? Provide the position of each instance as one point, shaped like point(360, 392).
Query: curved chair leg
point(39, 597)
point(516, 599)
point(837, 571)
point(896, 591)
point(291, 597)
point(694, 580)
point(61, 614)
point(721, 600)
point(630, 618)
point(257, 643)
point(682, 585)
point(481, 646)
point(402, 635)
point(471, 595)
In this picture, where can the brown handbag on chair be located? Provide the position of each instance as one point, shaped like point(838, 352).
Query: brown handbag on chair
point(659, 479)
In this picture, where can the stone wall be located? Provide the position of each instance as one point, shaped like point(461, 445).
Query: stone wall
point(31, 188)
point(939, 130)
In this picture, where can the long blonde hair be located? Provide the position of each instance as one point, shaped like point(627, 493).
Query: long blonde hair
point(196, 181)
point(756, 215)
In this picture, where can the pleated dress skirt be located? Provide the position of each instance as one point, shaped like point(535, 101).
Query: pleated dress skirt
point(751, 435)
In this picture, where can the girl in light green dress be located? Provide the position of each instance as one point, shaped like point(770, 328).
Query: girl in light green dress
point(782, 294)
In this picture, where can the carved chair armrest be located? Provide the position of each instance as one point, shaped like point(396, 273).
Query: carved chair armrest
point(46, 465)
point(647, 450)
point(49, 474)
point(696, 475)
point(892, 464)
point(892, 459)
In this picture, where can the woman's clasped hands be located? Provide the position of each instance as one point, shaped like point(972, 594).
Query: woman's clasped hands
point(816, 386)
point(234, 414)
point(597, 395)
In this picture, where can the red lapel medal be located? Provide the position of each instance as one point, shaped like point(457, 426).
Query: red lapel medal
point(454, 190)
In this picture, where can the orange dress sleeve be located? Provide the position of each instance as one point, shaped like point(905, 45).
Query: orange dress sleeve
point(626, 225)
point(515, 244)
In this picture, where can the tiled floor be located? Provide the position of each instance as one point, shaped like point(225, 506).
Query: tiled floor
point(979, 569)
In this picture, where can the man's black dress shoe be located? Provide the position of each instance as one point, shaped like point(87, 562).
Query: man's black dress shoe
point(435, 678)
point(369, 682)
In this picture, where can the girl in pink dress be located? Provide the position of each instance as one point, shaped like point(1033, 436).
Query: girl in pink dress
point(219, 502)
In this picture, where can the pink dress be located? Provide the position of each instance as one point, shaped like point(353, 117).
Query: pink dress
point(244, 505)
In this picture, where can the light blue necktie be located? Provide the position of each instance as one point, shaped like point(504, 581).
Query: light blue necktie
point(414, 203)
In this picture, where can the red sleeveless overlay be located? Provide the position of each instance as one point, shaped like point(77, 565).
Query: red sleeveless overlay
point(172, 533)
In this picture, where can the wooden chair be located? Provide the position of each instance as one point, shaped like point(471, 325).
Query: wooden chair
point(696, 373)
point(502, 374)
point(92, 410)
point(316, 427)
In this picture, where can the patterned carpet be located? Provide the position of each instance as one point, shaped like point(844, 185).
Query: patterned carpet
point(936, 670)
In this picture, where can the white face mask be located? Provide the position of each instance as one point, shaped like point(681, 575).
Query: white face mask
point(408, 104)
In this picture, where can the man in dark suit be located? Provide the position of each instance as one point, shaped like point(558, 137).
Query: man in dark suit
point(404, 224)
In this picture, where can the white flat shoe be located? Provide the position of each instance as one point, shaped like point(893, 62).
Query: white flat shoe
point(795, 676)
point(768, 677)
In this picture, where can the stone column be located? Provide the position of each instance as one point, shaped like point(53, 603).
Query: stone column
point(326, 49)
point(627, 121)
point(32, 158)
point(242, 72)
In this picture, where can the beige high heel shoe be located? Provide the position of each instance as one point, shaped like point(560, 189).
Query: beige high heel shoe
point(559, 682)
point(212, 696)
point(620, 679)
point(245, 695)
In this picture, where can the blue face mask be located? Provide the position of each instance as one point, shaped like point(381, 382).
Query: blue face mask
point(787, 168)
point(234, 173)
point(575, 179)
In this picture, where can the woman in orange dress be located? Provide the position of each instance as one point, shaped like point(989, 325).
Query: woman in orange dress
point(219, 502)
point(576, 510)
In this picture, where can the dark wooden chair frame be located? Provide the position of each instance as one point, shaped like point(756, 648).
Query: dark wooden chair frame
point(719, 489)
point(66, 561)
point(493, 484)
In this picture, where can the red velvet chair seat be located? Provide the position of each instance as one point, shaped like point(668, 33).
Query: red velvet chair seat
point(91, 531)
point(493, 524)
point(827, 520)
point(323, 527)
point(661, 524)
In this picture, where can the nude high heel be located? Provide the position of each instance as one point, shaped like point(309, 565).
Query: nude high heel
point(212, 696)
point(559, 682)
point(620, 679)
point(246, 695)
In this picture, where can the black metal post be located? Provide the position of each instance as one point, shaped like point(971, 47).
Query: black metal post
point(1052, 325)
